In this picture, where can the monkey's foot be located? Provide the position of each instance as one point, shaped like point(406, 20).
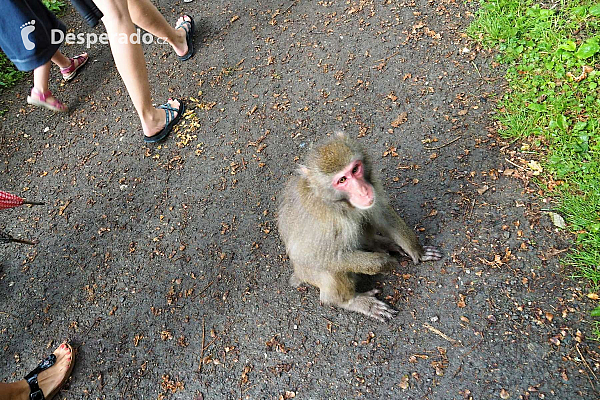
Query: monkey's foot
point(295, 281)
point(366, 303)
point(431, 253)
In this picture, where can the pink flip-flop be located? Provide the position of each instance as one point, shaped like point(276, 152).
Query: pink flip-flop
point(42, 99)
point(77, 62)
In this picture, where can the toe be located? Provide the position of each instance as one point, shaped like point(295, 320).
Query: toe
point(181, 22)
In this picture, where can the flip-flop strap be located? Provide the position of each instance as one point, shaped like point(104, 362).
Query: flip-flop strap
point(170, 112)
point(185, 22)
point(31, 378)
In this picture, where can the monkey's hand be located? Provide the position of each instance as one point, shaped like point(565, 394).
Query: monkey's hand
point(381, 263)
point(431, 253)
point(367, 304)
point(382, 244)
point(392, 264)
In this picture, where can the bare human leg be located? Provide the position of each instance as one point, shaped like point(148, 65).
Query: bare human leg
point(131, 64)
point(61, 60)
point(40, 95)
point(145, 15)
point(40, 77)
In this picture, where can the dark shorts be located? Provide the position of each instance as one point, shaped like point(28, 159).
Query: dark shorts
point(26, 33)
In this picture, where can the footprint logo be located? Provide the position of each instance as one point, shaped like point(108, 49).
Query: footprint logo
point(26, 29)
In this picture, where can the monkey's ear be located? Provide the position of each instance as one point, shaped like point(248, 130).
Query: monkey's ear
point(302, 169)
point(340, 134)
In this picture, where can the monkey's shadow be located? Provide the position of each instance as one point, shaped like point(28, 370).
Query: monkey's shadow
point(364, 283)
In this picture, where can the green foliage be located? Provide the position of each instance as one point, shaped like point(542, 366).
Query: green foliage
point(56, 6)
point(9, 75)
point(551, 52)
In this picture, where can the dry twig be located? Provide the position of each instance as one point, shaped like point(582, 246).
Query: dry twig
point(438, 332)
point(442, 146)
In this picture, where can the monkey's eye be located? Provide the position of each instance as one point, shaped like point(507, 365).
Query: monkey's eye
point(342, 179)
point(355, 169)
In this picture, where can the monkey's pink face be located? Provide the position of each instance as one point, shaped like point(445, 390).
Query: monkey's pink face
point(351, 180)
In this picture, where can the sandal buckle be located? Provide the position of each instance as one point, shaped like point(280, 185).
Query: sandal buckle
point(37, 395)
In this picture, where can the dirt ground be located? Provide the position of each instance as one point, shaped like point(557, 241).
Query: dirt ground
point(162, 263)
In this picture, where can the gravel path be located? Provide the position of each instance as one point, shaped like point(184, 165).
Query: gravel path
point(163, 266)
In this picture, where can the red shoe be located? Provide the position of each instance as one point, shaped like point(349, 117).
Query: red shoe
point(77, 62)
point(42, 99)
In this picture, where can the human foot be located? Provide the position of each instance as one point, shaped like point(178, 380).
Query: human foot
point(185, 28)
point(77, 62)
point(50, 374)
point(165, 118)
point(45, 99)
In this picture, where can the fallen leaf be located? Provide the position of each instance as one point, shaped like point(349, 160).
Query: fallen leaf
point(61, 209)
point(461, 301)
point(400, 119)
point(584, 73)
point(404, 382)
point(245, 372)
point(391, 151)
point(504, 394)
point(535, 166)
point(593, 296)
point(557, 220)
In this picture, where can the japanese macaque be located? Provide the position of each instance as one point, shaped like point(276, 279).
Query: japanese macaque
point(336, 222)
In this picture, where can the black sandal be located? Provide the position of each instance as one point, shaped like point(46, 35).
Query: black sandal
point(31, 378)
point(170, 121)
point(189, 37)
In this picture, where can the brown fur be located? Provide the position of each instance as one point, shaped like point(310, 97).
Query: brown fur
point(329, 241)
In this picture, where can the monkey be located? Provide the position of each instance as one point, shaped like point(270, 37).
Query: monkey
point(336, 222)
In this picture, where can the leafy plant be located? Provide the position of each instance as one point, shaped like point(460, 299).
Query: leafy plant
point(56, 6)
point(552, 55)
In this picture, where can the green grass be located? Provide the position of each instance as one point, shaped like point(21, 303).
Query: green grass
point(9, 75)
point(553, 106)
point(56, 6)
